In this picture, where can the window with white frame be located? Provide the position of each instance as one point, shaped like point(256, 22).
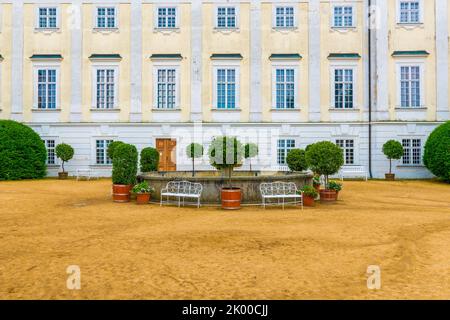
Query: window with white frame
point(226, 17)
point(166, 88)
point(410, 86)
point(106, 17)
point(348, 148)
point(343, 17)
point(283, 148)
point(50, 145)
point(46, 88)
point(412, 151)
point(410, 11)
point(105, 88)
point(101, 148)
point(343, 87)
point(47, 17)
point(167, 17)
point(226, 88)
point(285, 93)
point(284, 17)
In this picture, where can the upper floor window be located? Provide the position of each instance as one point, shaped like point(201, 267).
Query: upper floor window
point(226, 88)
point(283, 148)
point(284, 17)
point(343, 17)
point(285, 88)
point(105, 88)
point(409, 11)
point(343, 88)
point(50, 145)
point(226, 17)
point(46, 88)
point(410, 87)
point(167, 17)
point(166, 88)
point(348, 147)
point(47, 17)
point(412, 151)
point(106, 17)
point(101, 148)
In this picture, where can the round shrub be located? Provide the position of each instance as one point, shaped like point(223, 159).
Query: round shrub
point(125, 164)
point(392, 149)
point(64, 152)
point(226, 153)
point(112, 147)
point(324, 158)
point(194, 150)
point(149, 159)
point(296, 160)
point(250, 151)
point(22, 152)
point(436, 155)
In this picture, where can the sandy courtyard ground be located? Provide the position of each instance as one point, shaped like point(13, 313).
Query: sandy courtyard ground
point(148, 252)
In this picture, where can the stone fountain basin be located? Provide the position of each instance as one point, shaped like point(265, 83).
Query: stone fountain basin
point(213, 181)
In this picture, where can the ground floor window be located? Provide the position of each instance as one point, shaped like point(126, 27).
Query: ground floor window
point(412, 151)
point(283, 147)
point(50, 146)
point(101, 147)
point(348, 147)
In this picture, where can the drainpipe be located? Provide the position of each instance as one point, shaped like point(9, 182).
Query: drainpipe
point(369, 35)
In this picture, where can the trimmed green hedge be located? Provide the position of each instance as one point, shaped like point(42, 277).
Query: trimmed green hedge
point(149, 159)
point(324, 158)
point(436, 156)
point(125, 164)
point(64, 152)
point(22, 152)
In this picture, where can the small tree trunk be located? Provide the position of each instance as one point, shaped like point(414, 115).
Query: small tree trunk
point(63, 166)
point(250, 164)
point(390, 166)
point(193, 168)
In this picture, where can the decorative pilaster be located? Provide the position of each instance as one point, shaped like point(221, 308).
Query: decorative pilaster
point(381, 58)
point(196, 50)
point(314, 60)
point(74, 24)
point(256, 61)
point(442, 85)
point(136, 61)
point(17, 61)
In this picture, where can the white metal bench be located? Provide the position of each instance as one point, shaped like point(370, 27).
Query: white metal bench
point(85, 174)
point(353, 172)
point(280, 191)
point(182, 190)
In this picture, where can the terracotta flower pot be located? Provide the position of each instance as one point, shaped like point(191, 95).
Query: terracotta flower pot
point(142, 198)
point(389, 176)
point(231, 198)
point(308, 201)
point(121, 192)
point(63, 175)
point(328, 195)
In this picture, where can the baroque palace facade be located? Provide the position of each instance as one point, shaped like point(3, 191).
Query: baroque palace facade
point(283, 74)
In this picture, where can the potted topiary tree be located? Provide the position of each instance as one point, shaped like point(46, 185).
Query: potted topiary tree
point(325, 158)
point(226, 153)
point(143, 192)
point(124, 171)
point(436, 156)
point(65, 153)
point(111, 148)
point(392, 150)
point(250, 151)
point(193, 151)
point(296, 160)
point(149, 159)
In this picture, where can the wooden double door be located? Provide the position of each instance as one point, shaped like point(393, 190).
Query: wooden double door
point(167, 154)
